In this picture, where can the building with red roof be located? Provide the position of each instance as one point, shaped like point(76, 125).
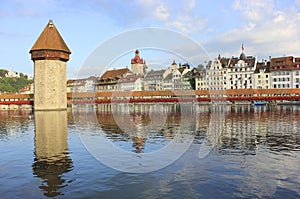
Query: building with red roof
point(138, 65)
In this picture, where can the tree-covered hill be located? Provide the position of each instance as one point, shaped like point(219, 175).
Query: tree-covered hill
point(3, 72)
point(12, 84)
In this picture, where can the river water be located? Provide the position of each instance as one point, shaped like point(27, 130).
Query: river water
point(151, 151)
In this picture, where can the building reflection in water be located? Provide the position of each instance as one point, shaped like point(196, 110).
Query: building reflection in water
point(228, 129)
point(143, 125)
point(51, 151)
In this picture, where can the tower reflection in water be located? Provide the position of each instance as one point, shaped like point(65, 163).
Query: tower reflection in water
point(51, 151)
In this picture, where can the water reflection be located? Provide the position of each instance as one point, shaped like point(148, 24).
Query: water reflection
point(156, 133)
point(255, 153)
point(146, 125)
point(13, 121)
point(227, 129)
point(51, 151)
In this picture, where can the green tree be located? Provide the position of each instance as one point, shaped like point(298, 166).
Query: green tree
point(3, 72)
point(13, 84)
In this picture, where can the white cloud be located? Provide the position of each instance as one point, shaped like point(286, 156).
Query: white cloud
point(188, 5)
point(178, 25)
point(278, 33)
point(249, 26)
point(279, 17)
point(161, 13)
point(254, 10)
point(184, 19)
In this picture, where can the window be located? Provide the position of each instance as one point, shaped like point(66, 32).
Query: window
point(267, 76)
point(258, 76)
point(274, 80)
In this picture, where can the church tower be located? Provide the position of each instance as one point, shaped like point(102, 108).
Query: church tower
point(50, 55)
point(138, 65)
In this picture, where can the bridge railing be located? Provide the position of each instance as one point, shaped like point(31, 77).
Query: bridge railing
point(16, 99)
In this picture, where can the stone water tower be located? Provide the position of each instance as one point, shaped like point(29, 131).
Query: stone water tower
point(50, 55)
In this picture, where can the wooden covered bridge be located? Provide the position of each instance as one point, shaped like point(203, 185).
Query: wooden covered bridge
point(162, 96)
point(184, 96)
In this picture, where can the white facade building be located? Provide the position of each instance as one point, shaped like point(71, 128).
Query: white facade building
point(154, 80)
point(240, 72)
point(215, 76)
point(82, 85)
point(185, 82)
point(172, 78)
point(131, 83)
point(11, 73)
point(284, 72)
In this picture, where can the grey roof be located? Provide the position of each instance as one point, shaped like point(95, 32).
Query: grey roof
point(262, 66)
point(154, 73)
point(168, 77)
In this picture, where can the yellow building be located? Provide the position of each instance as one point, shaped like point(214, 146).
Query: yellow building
point(200, 80)
point(262, 75)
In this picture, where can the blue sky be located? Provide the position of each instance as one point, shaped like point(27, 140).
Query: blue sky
point(266, 27)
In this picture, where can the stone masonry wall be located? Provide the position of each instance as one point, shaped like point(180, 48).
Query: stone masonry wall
point(50, 91)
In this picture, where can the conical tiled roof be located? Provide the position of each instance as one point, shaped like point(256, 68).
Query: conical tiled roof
point(50, 39)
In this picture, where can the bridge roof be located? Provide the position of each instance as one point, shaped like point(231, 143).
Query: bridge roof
point(185, 93)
